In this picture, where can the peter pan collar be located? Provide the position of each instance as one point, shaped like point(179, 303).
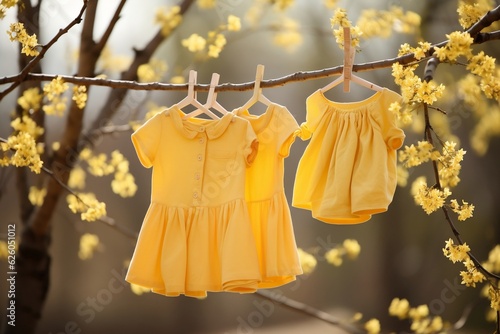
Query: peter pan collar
point(191, 127)
point(258, 122)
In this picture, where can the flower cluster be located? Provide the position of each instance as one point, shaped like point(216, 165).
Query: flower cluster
point(340, 18)
point(87, 205)
point(5, 5)
point(429, 198)
point(288, 35)
point(123, 183)
point(349, 248)
point(37, 195)
point(307, 261)
point(493, 263)
point(25, 152)
point(464, 211)
point(108, 62)
point(372, 326)
point(168, 19)
point(88, 244)
point(413, 89)
point(152, 71)
point(459, 253)
point(421, 320)
point(138, 290)
point(31, 100)
point(381, 23)
point(27, 125)
point(215, 39)
point(77, 178)
point(17, 32)
point(53, 92)
point(80, 96)
point(412, 155)
point(470, 13)
point(449, 164)
point(459, 44)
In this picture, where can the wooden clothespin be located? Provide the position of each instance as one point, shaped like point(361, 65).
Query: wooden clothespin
point(349, 53)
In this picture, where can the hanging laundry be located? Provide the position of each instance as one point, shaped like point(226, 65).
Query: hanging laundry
point(196, 235)
point(265, 195)
point(348, 170)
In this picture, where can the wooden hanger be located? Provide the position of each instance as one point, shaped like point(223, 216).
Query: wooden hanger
point(257, 91)
point(347, 75)
point(190, 99)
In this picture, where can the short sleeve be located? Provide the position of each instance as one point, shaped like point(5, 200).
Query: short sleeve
point(288, 128)
point(251, 144)
point(146, 140)
point(393, 135)
point(314, 112)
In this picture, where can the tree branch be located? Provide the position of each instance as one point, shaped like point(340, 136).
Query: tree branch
point(22, 76)
point(111, 26)
point(308, 310)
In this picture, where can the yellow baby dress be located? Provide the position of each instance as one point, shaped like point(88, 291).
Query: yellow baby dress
point(196, 235)
point(265, 195)
point(348, 170)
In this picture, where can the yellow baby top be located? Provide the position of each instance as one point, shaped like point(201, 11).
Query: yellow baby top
point(348, 170)
point(265, 196)
point(196, 235)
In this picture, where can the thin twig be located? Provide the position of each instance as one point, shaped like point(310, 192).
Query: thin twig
point(308, 310)
point(24, 73)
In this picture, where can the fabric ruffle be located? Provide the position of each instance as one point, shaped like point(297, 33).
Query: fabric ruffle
point(192, 250)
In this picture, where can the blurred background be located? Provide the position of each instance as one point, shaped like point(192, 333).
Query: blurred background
point(401, 250)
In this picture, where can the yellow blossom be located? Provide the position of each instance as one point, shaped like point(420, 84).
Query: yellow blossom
point(307, 261)
point(168, 18)
point(471, 276)
point(112, 63)
point(381, 23)
point(194, 43)
point(288, 36)
point(27, 125)
point(418, 312)
point(334, 256)
point(29, 43)
point(233, 23)
point(412, 155)
point(4, 251)
point(494, 296)
point(206, 4)
point(178, 79)
point(53, 92)
point(456, 253)
point(218, 41)
point(399, 308)
point(340, 18)
point(464, 211)
point(77, 178)
point(459, 44)
point(25, 152)
point(470, 13)
point(352, 248)
point(80, 96)
point(402, 175)
point(88, 244)
point(482, 65)
point(5, 5)
point(493, 263)
point(449, 164)
point(37, 195)
point(152, 71)
point(98, 166)
point(31, 100)
point(87, 205)
point(430, 199)
point(138, 290)
point(372, 326)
